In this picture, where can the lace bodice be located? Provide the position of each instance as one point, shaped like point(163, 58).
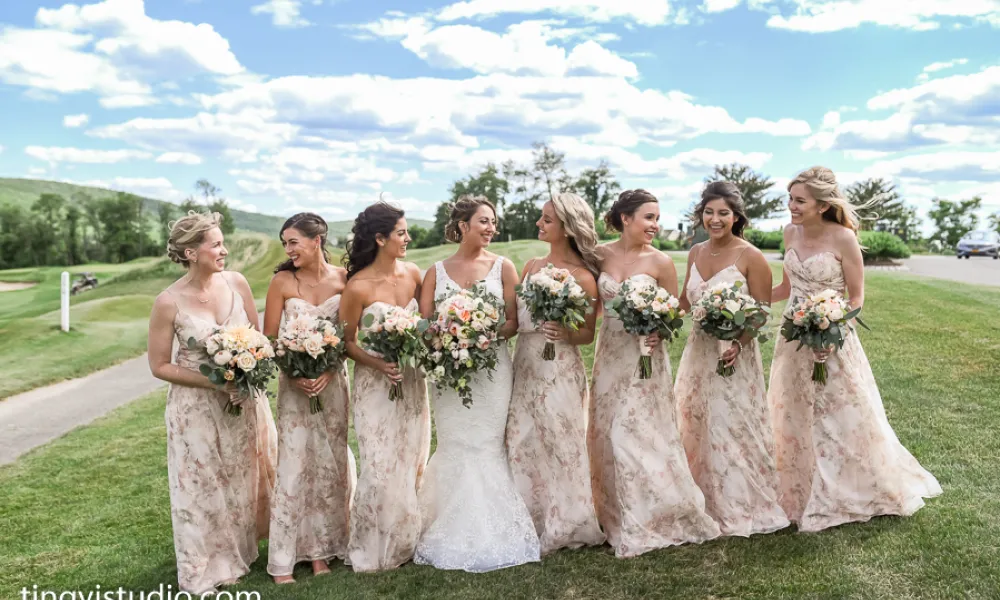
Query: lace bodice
point(187, 326)
point(329, 308)
point(697, 284)
point(445, 285)
point(813, 275)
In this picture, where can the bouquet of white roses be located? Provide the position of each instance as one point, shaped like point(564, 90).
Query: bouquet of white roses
point(552, 294)
point(463, 339)
point(726, 313)
point(645, 309)
point(308, 346)
point(820, 321)
point(241, 355)
point(396, 337)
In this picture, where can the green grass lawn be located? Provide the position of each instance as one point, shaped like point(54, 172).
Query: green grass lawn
point(108, 324)
point(92, 507)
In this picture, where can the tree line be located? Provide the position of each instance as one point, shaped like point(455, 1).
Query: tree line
point(58, 231)
point(55, 230)
point(519, 190)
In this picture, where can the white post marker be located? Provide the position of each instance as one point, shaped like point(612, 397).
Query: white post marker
point(64, 296)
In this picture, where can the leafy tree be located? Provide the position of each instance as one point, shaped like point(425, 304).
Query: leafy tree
point(14, 236)
point(521, 219)
point(219, 205)
point(418, 236)
point(489, 182)
point(164, 215)
point(548, 170)
point(74, 250)
point(760, 200)
point(125, 232)
point(211, 201)
point(598, 187)
point(877, 203)
point(906, 224)
point(435, 237)
point(954, 219)
point(995, 222)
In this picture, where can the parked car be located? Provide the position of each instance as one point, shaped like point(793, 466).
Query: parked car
point(979, 243)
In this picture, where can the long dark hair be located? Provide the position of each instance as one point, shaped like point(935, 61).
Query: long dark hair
point(379, 218)
point(727, 191)
point(627, 203)
point(311, 225)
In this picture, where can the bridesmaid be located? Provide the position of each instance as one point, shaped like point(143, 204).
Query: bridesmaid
point(393, 436)
point(220, 468)
point(643, 490)
point(547, 424)
point(310, 506)
point(724, 422)
point(838, 459)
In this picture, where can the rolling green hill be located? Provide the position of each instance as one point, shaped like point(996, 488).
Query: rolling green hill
point(25, 191)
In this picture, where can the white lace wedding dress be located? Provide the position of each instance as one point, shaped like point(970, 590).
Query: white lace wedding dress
point(474, 518)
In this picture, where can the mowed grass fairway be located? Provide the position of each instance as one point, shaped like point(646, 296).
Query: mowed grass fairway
point(92, 508)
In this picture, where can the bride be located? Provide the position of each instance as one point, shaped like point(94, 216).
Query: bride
point(474, 519)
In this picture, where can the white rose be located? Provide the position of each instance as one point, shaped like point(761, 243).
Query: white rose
point(222, 358)
point(733, 306)
point(836, 314)
point(439, 371)
point(212, 345)
point(824, 323)
point(699, 313)
point(463, 354)
point(658, 306)
point(246, 361)
point(313, 347)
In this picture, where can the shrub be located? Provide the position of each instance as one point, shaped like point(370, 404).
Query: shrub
point(880, 246)
point(665, 245)
point(765, 240)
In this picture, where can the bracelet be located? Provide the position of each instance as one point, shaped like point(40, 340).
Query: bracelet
point(740, 344)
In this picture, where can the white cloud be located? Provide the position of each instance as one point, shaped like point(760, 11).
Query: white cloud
point(942, 166)
point(940, 66)
point(713, 6)
point(524, 49)
point(817, 16)
point(179, 158)
point(643, 12)
point(75, 120)
point(54, 154)
point(284, 13)
point(159, 188)
point(110, 48)
point(954, 110)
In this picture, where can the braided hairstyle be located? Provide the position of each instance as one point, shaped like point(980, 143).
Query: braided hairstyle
point(378, 219)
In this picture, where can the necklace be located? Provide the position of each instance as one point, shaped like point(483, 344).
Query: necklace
point(625, 255)
point(197, 297)
point(386, 277)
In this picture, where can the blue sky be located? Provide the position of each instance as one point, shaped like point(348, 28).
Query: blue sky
point(324, 104)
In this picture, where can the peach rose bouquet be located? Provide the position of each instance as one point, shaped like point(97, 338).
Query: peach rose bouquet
point(240, 355)
point(309, 346)
point(821, 322)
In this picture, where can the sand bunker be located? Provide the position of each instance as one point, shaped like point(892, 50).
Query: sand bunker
point(10, 286)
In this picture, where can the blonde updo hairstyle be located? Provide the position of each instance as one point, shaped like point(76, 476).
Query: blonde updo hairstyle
point(578, 220)
point(822, 185)
point(462, 211)
point(188, 232)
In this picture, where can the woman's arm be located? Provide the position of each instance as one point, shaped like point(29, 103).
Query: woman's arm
point(426, 298)
point(781, 291)
point(853, 264)
point(510, 281)
point(685, 303)
point(160, 347)
point(666, 274)
point(275, 305)
point(242, 287)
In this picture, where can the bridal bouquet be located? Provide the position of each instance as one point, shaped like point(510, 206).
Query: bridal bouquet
point(726, 312)
point(396, 337)
point(553, 294)
point(820, 321)
point(462, 340)
point(308, 346)
point(644, 309)
point(241, 355)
